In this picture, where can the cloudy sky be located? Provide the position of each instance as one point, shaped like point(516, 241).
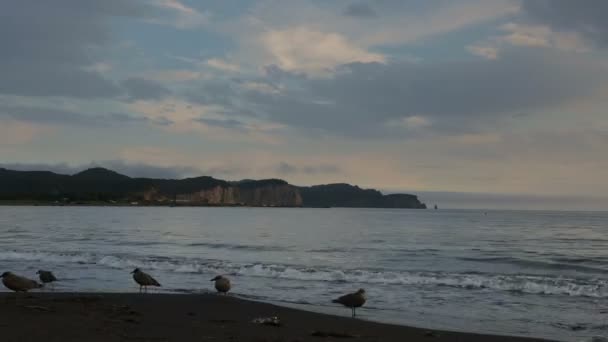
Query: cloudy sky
point(500, 96)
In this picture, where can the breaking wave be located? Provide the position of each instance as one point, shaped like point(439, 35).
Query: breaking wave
point(530, 284)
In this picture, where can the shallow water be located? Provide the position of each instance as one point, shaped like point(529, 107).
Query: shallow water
point(541, 274)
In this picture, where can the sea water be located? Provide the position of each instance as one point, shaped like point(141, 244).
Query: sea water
point(528, 273)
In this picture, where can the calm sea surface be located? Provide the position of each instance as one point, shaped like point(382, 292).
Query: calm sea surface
point(542, 274)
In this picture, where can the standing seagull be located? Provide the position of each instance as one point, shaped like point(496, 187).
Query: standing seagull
point(18, 283)
point(144, 280)
point(352, 300)
point(46, 277)
point(222, 284)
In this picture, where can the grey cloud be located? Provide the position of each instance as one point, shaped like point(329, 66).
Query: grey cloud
point(67, 117)
point(360, 10)
point(126, 118)
point(223, 123)
point(147, 170)
point(361, 98)
point(142, 89)
point(588, 18)
point(48, 79)
point(213, 92)
point(288, 169)
point(46, 45)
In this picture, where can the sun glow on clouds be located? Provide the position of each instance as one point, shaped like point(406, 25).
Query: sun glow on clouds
point(223, 65)
point(531, 36)
point(488, 52)
point(13, 132)
point(304, 49)
point(185, 17)
point(413, 122)
point(209, 120)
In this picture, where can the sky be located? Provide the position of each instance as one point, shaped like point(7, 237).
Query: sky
point(470, 96)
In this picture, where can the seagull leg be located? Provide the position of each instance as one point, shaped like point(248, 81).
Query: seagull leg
point(139, 288)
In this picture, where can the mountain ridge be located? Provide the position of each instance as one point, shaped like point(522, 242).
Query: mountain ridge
point(102, 186)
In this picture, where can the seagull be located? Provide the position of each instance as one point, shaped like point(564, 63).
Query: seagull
point(46, 277)
point(222, 284)
point(352, 300)
point(143, 279)
point(17, 283)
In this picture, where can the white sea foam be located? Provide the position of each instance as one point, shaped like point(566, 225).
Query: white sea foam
point(546, 285)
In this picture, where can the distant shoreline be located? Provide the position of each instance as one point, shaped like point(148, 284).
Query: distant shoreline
point(98, 186)
point(164, 205)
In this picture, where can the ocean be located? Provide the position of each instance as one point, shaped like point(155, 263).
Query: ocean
point(527, 273)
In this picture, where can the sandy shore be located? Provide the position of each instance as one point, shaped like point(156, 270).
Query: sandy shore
point(208, 317)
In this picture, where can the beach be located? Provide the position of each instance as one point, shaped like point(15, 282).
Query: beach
point(190, 317)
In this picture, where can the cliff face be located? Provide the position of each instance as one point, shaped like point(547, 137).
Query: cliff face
point(264, 196)
point(217, 195)
point(272, 196)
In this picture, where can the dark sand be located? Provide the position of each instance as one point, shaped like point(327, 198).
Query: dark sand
point(163, 317)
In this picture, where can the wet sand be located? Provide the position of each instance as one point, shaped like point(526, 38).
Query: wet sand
point(206, 317)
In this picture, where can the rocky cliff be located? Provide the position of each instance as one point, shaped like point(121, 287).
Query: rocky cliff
point(283, 195)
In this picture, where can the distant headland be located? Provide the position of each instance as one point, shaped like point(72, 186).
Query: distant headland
point(99, 186)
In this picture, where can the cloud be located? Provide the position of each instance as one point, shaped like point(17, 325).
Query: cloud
point(223, 65)
point(14, 132)
point(173, 75)
point(309, 50)
point(404, 25)
point(527, 35)
point(530, 36)
point(47, 48)
point(413, 122)
point(585, 18)
point(360, 10)
point(184, 17)
point(314, 37)
point(262, 87)
point(286, 169)
point(59, 116)
point(362, 98)
point(223, 123)
point(487, 52)
point(541, 36)
point(143, 89)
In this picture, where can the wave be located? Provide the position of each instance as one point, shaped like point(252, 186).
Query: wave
point(559, 263)
point(66, 257)
point(238, 247)
point(527, 284)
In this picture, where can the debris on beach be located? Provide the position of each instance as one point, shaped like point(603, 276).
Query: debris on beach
point(272, 321)
point(38, 308)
